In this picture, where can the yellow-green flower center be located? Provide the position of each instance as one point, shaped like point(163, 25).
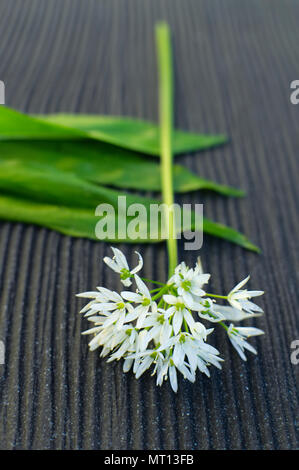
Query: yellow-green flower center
point(125, 273)
point(180, 306)
point(182, 339)
point(186, 285)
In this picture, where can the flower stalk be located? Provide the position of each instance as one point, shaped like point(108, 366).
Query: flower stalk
point(166, 130)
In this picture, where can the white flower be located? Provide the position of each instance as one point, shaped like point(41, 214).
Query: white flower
point(106, 337)
point(114, 308)
point(199, 355)
point(238, 298)
point(120, 265)
point(238, 336)
point(102, 295)
point(199, 331)
point(189, 283)
point(163, 369)
point(208, 310)
point(144, 359)
point(180, 312)
point(142, 297)
point(134, 343)
point(160, 329)
point(234, 314)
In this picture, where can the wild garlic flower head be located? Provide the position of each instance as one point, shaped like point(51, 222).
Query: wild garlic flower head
point(166, 328)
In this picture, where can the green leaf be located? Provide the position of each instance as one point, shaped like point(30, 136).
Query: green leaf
point(105, 164)
point(81, 222)
point(67, 204)
point(15, 125)
point(132, 134)
point(41, 182)
point(228, 233)
point(66, 220)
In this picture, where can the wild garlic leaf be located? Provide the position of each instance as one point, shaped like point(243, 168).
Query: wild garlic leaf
point(228, 233)
point(75, 222)
point(81, 222)
point(92, 161)
point(66, 203)
point(41, 182)
point(133, 134)
point(15, 125)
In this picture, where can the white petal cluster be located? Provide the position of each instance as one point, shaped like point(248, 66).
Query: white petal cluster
point(238, 336)
point(162, 328)
point(238, 298)
point(120, 265)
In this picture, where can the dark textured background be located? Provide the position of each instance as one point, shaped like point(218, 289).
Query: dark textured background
point(234, 62)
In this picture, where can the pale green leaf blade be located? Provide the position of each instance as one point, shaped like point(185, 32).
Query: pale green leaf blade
point(18, 126)
point(81, 222)
point(93, 161)
point(228, 233)
point(35, 182)
point(66, 220)
point(133, 134)
point(41, 182)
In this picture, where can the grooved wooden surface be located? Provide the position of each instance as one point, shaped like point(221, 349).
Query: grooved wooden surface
point(234, 62)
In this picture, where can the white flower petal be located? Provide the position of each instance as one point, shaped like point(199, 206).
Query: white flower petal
point(127, 364)
point(170, 299)
point(189, 318)
point(234, 314)
point(133, 297)
point(112, 264)
point(241, 284)
point(139, 265)
point(88, 295)
point(142, 287)
point(141, 317)
point(120, 258)
point(177, 321)
point(173, 378)
point(249, 331)
point(145, 364)
point(126, 282)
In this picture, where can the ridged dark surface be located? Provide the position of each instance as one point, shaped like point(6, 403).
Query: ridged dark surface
point(234, 62)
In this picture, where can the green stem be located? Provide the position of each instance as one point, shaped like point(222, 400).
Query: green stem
point(186, 326)
point(216, 296)
point(162, 291)
point(166, 128)
point(153, 282)
point(223, 325)
point(220, 322)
